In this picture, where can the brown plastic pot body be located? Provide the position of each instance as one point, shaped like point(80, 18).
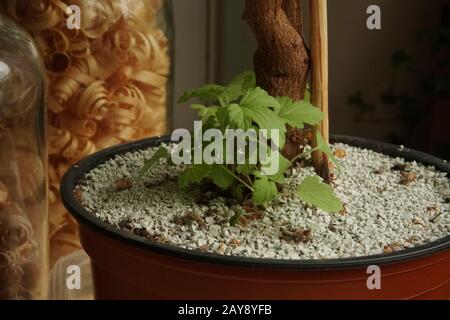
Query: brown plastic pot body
point(129, 267)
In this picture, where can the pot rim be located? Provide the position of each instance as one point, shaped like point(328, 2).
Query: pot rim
point(77, 171)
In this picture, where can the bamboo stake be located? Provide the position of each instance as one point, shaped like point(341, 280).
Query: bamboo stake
point(319, 79)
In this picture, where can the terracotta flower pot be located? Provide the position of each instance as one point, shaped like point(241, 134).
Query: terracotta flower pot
point(126, 266)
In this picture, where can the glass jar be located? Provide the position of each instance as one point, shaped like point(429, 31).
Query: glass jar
point(23, 170)
point(108, 67)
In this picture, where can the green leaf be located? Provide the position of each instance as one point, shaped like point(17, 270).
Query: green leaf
point(298, 113)
point(284, 102)
point(246, 81)
point(148, 164)
point(238, 192)
point(236, 118)
point(240, 85)
point(259, 98)
point(207, 93)
point(235, 218)
point(245, 169)
point(267, 119)
point(319, 194)
point(265, 190)
point(221, 177)
point(284, 165)
point(222, 117)
point(307, 93)
point(325, 148)
point(205, 112)
point(194, 174)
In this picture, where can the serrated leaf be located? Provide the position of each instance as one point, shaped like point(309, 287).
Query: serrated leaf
point(325, 148)
point(236, 118)
point(267, 119)
point(319, 194)
point(240, 85)
point(264, 190)
point(207, 93)
point(221, 177)
point(205, 112)
point(194, 174)
point(259, 98)
point(148, 164)
point(284, 102)
point(298, 113)
point(222, 117)
point(283, 166)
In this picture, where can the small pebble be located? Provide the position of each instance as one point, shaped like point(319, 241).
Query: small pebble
point(387, 208)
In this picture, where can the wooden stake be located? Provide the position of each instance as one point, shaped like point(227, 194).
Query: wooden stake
point(319, 79)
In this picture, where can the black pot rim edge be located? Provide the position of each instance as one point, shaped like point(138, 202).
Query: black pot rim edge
point(77, 171)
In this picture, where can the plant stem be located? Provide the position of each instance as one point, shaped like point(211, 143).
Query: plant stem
point(239, 179)
point(303, 155)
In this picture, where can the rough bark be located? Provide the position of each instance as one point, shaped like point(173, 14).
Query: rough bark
point(282, 59)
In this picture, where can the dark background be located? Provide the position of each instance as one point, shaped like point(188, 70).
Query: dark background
point(391, 84)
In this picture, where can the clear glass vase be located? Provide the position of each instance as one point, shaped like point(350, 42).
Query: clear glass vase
point(109, 81)
point(23, 167)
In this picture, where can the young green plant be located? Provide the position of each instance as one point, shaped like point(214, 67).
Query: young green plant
point(242, 105)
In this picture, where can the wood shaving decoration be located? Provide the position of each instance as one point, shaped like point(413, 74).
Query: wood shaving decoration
point(107, 83)
point(296, 235)
point(20, 274)
point(407, 178)
point(3, 194)
point(340, 153)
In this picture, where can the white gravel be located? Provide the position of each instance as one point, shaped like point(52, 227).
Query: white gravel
point(382, 215)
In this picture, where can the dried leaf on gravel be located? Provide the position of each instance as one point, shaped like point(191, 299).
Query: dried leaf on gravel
point(189, 218)
point(123, 184)
point(296, 235)
point(408, 178)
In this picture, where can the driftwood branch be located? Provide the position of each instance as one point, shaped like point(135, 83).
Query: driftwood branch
point(282, 61)
point(282, 58)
